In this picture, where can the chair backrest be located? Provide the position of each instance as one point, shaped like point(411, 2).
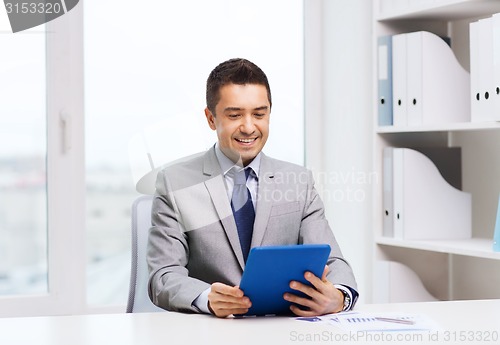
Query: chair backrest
point(138, 299)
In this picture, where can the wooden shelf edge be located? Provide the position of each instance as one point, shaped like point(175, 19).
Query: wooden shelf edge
point(475, 247)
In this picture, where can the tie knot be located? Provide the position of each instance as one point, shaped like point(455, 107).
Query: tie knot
point(240, 177)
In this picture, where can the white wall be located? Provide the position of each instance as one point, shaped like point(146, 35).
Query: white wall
point(339, 123)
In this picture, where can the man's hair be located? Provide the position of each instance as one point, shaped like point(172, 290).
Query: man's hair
point(234, 71)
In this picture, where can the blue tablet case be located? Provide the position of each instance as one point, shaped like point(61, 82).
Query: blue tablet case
point(270, 269)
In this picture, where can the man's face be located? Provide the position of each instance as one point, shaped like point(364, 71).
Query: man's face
point(241, 120)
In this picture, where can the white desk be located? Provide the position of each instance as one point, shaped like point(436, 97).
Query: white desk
point(478, 317)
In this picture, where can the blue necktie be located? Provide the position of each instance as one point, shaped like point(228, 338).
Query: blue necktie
point(243, 211)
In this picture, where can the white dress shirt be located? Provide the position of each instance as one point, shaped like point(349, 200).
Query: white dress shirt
point(229, 168)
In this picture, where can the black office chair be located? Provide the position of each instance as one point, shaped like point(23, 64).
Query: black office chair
point(138, 299)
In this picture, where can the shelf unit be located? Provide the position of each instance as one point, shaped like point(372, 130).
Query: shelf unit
point(451, 269)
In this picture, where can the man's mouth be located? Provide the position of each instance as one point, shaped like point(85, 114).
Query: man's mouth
point(246, 140)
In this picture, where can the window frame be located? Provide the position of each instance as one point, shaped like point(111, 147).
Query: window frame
point(65, 176)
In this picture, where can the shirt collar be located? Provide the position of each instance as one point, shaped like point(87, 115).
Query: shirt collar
point(226, 164)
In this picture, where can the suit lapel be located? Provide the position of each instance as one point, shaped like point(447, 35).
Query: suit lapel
point(217, 190)
point(265, 200)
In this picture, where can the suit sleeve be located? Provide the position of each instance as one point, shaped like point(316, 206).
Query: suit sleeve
point(315, 229)
point(169, 285)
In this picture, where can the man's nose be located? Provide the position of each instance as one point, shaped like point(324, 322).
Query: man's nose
point(247, 125)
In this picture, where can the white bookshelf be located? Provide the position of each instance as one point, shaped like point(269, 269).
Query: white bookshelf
point(446, 267)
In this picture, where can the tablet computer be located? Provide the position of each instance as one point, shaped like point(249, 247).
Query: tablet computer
point(270, 269)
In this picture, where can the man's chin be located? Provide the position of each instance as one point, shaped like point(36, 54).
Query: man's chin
point(247, 157)
point(244, 156)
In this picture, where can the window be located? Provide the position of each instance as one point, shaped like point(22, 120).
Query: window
point(23, 152)
point(145, 74)
point(68, 177)
point(41, 125)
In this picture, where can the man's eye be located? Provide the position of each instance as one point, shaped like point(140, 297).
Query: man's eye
point(259, 115)
point(233, 116)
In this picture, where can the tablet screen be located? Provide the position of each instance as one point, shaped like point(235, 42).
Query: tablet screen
point(270, 269)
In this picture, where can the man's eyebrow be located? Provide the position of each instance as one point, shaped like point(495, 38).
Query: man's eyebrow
point(264, 107)
point(229, 109)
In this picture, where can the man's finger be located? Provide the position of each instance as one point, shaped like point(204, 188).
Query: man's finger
point(227, 290)
point(319, 284)
point(325, 273)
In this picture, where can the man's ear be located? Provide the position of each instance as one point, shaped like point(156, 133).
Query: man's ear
point(210, 119)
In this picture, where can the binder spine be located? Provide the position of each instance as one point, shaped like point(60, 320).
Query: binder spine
point(384, 81)
point(496, 65)
point(388, 229)
point(496, 235)
point(485, 69)
point(475, 93)
point(399, 82)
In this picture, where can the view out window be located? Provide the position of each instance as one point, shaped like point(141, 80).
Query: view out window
point(23, 153)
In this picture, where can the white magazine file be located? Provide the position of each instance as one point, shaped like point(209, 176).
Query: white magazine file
point(437, 87)
point(426, 206)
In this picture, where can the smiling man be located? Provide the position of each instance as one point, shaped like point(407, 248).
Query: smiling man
point(208, 211)
point(243, 123)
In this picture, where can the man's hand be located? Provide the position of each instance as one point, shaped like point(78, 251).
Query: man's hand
point(324, 297)
point(225, 300)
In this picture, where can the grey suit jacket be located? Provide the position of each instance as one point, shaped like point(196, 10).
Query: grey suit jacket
point(193, 241)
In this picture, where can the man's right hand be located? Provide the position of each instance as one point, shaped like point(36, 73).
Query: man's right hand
point(225, 300)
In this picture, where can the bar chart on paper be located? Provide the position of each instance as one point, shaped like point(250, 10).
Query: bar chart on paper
point(355, 321)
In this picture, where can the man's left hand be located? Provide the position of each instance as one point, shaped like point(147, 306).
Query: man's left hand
point(324, 297)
